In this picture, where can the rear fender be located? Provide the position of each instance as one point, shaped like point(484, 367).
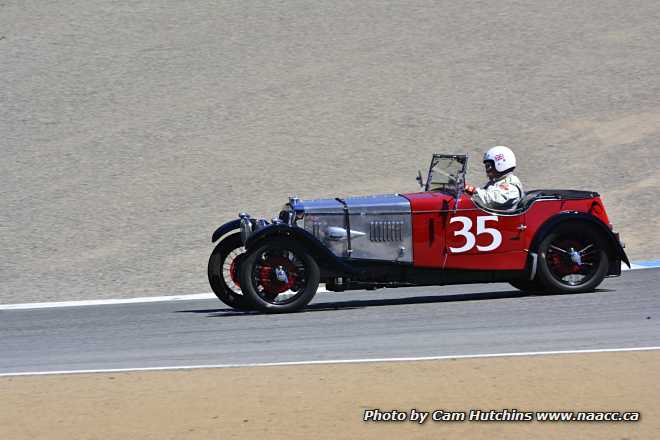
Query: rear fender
point(227, 227)
point(617, 252)
point(323, 256)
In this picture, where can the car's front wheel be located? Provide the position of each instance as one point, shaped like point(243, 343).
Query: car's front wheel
point(279, 276)
point(223, 272)
point(572, 259)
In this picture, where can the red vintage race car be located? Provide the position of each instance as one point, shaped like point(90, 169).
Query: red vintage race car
point(553, 241)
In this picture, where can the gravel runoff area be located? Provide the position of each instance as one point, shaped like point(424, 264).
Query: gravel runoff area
point(131, 130)
point(329, 401)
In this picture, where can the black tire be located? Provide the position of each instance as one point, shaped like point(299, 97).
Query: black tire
point(559, 272)
point(265, 291)
point(224, 284)
point(531, 286)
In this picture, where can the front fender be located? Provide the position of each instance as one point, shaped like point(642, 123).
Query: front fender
point(323, 256)
point(227, 227)
point(563, 217)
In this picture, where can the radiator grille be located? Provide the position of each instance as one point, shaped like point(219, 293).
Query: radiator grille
point(386, 231)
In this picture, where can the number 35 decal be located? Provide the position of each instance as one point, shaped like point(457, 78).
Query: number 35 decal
point(470, 238)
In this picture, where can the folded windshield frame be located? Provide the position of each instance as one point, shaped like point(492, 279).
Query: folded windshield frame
point(447, 173)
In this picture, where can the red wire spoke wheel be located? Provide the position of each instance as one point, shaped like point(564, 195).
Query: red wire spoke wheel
point(573, 258)
point(279, 276)
point(223, 272)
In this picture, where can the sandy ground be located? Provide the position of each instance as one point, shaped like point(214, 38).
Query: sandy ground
point(130, 130)
point(328, 401)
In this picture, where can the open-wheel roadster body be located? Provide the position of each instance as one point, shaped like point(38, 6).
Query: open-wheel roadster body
point(553, 241)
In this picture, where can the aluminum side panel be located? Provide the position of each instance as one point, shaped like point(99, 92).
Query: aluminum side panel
point(381, 226)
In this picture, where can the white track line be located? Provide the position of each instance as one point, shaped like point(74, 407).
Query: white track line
point(334, 361)
point(195, 296)
point(103, 302)
point(100, 302)
point(634, 266)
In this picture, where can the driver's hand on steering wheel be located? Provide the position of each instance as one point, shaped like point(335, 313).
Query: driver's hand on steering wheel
point(469, 189)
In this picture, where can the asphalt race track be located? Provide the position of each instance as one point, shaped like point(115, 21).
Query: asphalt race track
point(438, 321)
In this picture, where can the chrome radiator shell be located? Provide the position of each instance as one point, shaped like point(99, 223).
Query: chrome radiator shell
point(381, 226)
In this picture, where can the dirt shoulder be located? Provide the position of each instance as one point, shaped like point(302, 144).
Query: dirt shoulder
point(328, 401)
point(122, 151)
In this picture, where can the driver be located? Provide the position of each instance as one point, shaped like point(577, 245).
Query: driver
point(503, 190)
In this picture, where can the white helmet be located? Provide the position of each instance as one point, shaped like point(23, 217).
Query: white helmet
point(503, 158)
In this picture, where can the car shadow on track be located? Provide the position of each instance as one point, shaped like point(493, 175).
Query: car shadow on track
point(359, 303)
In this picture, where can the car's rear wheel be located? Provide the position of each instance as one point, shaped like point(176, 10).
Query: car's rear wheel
point(279, 276)
point(572, 259)
point(223, 272)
